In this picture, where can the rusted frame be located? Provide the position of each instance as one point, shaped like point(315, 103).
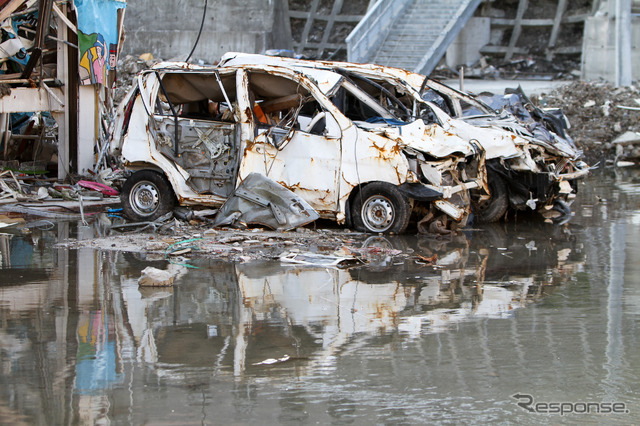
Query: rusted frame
point(9, 7)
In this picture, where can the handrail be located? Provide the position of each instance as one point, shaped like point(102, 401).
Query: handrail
point(448, 34)
point(372, 30)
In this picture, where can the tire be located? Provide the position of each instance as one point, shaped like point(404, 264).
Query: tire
point(147, 195)
point(494, 208)
point(380, 207)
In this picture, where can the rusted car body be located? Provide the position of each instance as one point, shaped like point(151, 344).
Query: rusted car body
point(532, 161)
point(193, 134)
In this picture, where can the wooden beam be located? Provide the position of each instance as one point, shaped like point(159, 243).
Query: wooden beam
point(10, 8)
point(555, 31)
point(62, 73)
point(64, 19)
point(517, 29)
point(24, 99)
point(279, 104)
point(335, 10)
point(309, 23)
point(623, 43)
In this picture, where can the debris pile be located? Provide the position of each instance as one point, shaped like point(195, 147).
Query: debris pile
point(181, 242)
point(128, 68)
point(599, 113)
point(31, 145)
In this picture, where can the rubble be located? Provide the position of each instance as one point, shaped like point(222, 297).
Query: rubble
point(595, 122)
point(128, 68)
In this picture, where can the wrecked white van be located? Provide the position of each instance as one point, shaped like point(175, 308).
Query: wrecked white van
point(191, 135)
point(531, 160)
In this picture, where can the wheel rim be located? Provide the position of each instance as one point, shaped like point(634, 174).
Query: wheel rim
point(144, 198)
point(378, 213)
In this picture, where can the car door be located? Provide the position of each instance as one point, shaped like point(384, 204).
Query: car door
point(296, 142)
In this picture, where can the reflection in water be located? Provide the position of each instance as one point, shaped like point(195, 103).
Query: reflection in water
point(411, 337)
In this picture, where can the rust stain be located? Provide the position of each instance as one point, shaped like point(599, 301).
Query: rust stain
point(249, 145)
point(247, 112)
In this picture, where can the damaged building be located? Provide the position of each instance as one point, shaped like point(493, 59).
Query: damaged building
point(59, 60)
point(508, 38)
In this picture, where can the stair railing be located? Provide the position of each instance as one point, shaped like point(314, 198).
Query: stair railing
point(372, 30)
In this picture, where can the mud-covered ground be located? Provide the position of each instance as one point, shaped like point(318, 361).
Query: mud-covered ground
point(181, 240)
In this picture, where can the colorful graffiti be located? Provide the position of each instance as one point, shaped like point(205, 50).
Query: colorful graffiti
point(97, 38)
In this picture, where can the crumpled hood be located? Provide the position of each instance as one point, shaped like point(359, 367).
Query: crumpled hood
point(428, 138)
point(497, 142)
point(537, 135)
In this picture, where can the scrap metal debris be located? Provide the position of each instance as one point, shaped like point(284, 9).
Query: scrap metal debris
point(260, 200)
point(316, 259)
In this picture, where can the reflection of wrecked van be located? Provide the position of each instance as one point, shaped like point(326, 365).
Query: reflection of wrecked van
point(192, 135)
point(531, 160)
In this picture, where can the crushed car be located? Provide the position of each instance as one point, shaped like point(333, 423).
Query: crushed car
point(531, 160)
point(191, 135)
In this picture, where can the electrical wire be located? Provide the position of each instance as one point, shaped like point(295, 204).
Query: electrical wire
point(204, 13)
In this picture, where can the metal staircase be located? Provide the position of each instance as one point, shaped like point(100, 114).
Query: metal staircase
point(410, 34)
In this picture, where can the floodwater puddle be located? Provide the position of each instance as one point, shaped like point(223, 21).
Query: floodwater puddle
point(417, 334)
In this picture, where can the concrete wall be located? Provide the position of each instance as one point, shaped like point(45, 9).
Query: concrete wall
point(169, 28)
point(599, 48)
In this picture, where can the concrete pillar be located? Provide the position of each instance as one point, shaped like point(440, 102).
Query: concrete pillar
point(465, 49)
point(600, 52)
point(623, 43)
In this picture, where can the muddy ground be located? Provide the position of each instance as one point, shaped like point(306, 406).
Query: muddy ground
point(179, 241)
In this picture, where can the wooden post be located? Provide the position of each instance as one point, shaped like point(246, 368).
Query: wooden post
point(87, 126)
point(62, 118)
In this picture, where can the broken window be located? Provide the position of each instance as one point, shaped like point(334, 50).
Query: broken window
point(196, 128)
point(199, 96)
point(281, 106)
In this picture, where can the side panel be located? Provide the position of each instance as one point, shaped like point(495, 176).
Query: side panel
point(307, 164)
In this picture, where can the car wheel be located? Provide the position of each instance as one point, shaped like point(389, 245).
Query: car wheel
point(381, 208)
point(147, 195)
point(494, 208)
